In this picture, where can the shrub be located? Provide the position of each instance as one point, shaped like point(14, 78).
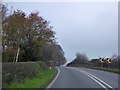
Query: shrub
point(18, 72)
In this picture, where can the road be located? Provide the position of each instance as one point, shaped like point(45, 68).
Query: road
point(69, 77)
point(0, 75)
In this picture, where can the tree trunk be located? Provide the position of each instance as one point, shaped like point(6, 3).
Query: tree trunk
point(17, 54)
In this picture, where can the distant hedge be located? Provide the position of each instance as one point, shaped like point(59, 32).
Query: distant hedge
point(18, 72)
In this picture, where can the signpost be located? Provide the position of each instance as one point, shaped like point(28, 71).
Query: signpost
point(109, 61)
point(101, 61)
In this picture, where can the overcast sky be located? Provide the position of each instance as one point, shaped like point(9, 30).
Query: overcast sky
point(85, 27)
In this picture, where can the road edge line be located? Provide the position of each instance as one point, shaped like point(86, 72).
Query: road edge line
point(54, 79)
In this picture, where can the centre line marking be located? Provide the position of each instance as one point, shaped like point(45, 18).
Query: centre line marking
point(96, 79)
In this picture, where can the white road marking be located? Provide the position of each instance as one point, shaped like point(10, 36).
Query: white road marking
point(100, 80)
point(96, 79)
point(54, 79)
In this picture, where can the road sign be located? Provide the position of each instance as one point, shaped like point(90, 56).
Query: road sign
point(109, 60)
point(101, 60)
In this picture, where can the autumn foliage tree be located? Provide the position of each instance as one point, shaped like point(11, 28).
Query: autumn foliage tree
point(25, 36)
point(54, 53)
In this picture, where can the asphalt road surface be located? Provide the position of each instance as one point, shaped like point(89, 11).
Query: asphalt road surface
point(69, 77)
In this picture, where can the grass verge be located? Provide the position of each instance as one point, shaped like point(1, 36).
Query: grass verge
point(40, 81)
point(114, 70)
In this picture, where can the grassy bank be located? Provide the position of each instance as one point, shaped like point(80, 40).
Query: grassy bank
point(40, 81)
point(114, 70)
